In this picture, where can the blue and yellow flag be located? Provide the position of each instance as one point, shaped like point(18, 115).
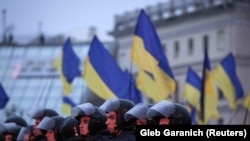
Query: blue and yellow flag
point(3, 97)
point(135, 94)
point(67, 64)
point(227, 80)
point(70, 62)
point(246, 102)
point(68, 103)
point(148, 55)
point(192, 89)
point(103, 75)
point(208, 98)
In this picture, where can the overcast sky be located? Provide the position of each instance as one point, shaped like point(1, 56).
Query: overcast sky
point(65, 16)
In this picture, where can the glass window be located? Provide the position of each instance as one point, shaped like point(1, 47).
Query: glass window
point(205, 42)
point(46, 51)
point(221, 40)
point(19, 51)
point(6, 51)
point(190, 46)
point(33, 52)
point(176, 49)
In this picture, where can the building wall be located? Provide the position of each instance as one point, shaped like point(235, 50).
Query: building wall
point(227, 30)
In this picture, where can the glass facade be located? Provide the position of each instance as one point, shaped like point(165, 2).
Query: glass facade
point(29, 78)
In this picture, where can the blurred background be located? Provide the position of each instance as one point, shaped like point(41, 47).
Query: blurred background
point(33, 33)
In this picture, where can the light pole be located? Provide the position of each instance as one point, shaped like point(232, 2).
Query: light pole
point(4, 25)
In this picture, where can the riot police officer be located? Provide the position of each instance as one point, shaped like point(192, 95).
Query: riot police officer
point(116, 123)
point(91, 122)
point(169, 113)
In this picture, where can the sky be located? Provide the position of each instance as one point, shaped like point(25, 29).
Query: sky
point(67, 17)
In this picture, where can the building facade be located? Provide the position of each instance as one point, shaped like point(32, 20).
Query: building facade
point(185, 27)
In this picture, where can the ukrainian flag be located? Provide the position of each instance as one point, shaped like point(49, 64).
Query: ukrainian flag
point(68, 103)
point(67, 64)
point(227, 80)
point(208, 98)
point(148, 55)
point(192, 89)
point(246, 102)
point(103, 75)
point(71, 63)
point(3, 97)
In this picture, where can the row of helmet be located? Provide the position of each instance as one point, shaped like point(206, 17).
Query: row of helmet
point(127, 115)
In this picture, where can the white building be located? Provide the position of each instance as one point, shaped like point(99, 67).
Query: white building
point(185, 28)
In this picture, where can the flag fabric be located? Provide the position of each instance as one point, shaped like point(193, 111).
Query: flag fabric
point(227, 80)
point(3, 97)
point(67, 87)
point(67, 64)
point(103, 75)
point(193, 115)
point(135, 94)
point(246, 102)
point(68, 103)
point(70, 62)
point(208, 98)
point(147, 85)
point(192, 89)
point(148, 54)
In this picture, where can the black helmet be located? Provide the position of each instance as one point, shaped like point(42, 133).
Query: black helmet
point(97, 120)
point(69, 127)
point(23, 131)
point(11, 128)
point(51, 123)
point(120, 107)
point(176, 112)
point(39, 112)
point(139, 111)
point(17, 119)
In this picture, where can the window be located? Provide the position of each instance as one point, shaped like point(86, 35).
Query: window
point(176, 49)
point(205, 42)
point(190, 46)
point(221, 40)
point(164, 46)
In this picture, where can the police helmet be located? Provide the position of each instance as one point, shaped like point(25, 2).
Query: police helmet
point(17, 119)
point(69, 127)
point(120, 107)
point(12, 128)
point(39, 112)
point(176, 112)
point(139, 111)
point(50, 123)
point(23, 131)
point(98, 116)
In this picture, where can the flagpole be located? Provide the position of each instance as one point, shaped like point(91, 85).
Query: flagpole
point(130, 79)
point(232, 117)
point(246, 115)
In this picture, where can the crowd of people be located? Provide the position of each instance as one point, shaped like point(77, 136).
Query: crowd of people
point(114, 120)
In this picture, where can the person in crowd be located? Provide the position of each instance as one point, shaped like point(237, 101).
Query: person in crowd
point(121, 129)
point(38, 114)
point(91, 122)
point(17, 119)
point(10, 131)
point(51, 127)
point(69, 128)
point(169, 113)
point(138, 114)
point(26, 134)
